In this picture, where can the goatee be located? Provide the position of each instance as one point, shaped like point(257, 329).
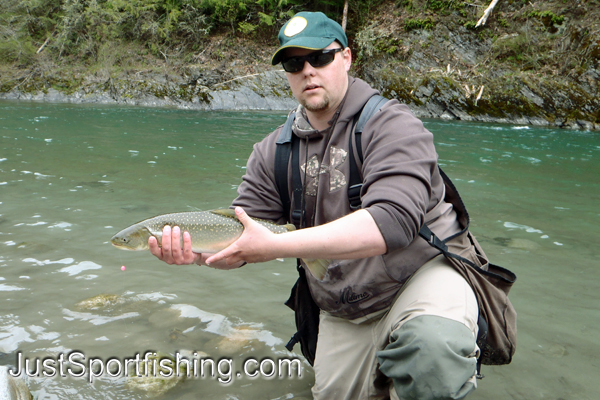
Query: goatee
point(320, 106)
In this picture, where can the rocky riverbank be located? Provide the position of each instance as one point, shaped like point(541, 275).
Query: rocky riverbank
point(261, 91)
point(536, 63)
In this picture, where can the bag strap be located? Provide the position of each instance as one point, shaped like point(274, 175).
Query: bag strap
point(355, 181)
point(287, 144)
point(282, 158)
point(507, 277)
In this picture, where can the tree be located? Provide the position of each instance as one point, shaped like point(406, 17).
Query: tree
point(345, 15)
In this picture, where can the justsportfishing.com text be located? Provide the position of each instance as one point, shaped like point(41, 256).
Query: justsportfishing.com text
point(151, 364)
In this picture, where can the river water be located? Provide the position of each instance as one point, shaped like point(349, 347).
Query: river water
point(73, 175)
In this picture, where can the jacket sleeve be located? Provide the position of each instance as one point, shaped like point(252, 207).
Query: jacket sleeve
point(399, 163)
point(257, 193)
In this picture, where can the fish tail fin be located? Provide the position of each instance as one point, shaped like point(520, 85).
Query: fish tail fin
point(317, 267)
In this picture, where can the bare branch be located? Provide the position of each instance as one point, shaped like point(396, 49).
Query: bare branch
point(44, 45)
point(486, 14)
point(235, 79)
point(345, 16)
point(479, 95)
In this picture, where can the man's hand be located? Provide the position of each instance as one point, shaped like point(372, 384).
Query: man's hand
point(253, 246)
point(171, 251)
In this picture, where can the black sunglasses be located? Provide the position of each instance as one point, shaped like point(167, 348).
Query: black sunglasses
point(317, 59)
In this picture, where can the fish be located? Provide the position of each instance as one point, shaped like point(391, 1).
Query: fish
point(210, 231)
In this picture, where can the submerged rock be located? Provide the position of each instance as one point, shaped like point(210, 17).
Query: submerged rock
point(240, 340)
point(517, 243)
point(100, 302)
point(554, 350)
point(159, 375)
point(12, 388)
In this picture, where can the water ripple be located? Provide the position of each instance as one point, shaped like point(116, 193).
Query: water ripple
point(96, 319)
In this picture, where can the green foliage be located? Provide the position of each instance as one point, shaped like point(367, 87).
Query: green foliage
point(418, 23)
point(519, 51)
point(470, 25)
point(266, 19)
point(408, 4)
point(81, 26)
point(547, 17)
point(226, 12)
point(511, 48)
point(22, 24)
point(247, 15)
point(388, 45)
point(436, 5)
point(17, 51)
point(246, 27)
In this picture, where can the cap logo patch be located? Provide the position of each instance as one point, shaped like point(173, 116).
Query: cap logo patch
point(295, 26)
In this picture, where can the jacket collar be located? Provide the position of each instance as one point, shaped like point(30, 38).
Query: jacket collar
point(358, 93)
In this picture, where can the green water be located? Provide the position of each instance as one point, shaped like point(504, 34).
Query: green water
point(71, 176)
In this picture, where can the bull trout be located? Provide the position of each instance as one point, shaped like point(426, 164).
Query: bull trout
point(211, 232)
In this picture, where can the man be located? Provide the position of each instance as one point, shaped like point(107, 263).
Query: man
point(396, 319)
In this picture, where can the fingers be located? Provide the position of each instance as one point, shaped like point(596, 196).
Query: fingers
point(154, 247)
point(188, 255)
point(220, 256)
point(242, 216)
point(228, 255)
point(228, 258)
point(176, 252)
point(172, 252)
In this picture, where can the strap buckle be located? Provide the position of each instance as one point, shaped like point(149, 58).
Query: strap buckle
point(354, 196)
point(297, 217)
point(293, 340)
point(432, 239)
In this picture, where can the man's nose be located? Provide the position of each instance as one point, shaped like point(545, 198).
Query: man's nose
point(308, 69)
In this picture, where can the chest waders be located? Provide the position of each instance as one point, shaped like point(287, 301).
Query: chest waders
point(307, 311)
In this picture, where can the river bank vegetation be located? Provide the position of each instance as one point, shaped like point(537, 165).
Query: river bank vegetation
point(531, 61)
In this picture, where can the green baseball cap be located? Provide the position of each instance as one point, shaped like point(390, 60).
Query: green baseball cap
point(309, 30)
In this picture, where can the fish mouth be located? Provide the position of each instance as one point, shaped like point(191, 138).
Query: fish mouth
point(120, 245)
point(123, 247)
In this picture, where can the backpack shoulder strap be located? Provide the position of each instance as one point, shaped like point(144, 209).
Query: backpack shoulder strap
point(288, 143)
point(282, 158)
point(355, 182)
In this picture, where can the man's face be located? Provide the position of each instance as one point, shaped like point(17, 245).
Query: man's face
point(320, 89)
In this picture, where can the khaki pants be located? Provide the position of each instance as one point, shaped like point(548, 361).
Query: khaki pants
point(422, 348)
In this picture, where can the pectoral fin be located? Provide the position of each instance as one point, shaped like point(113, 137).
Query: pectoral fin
point(317, 267)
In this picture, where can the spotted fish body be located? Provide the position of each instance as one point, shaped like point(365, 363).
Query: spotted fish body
point(211, 231)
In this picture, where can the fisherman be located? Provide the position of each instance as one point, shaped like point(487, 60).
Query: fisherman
point(396, 320)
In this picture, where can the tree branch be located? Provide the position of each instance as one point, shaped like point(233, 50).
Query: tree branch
point(486, 14)
point(345, 16)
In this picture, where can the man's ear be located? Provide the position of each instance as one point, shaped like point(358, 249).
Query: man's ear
point(347, 58)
